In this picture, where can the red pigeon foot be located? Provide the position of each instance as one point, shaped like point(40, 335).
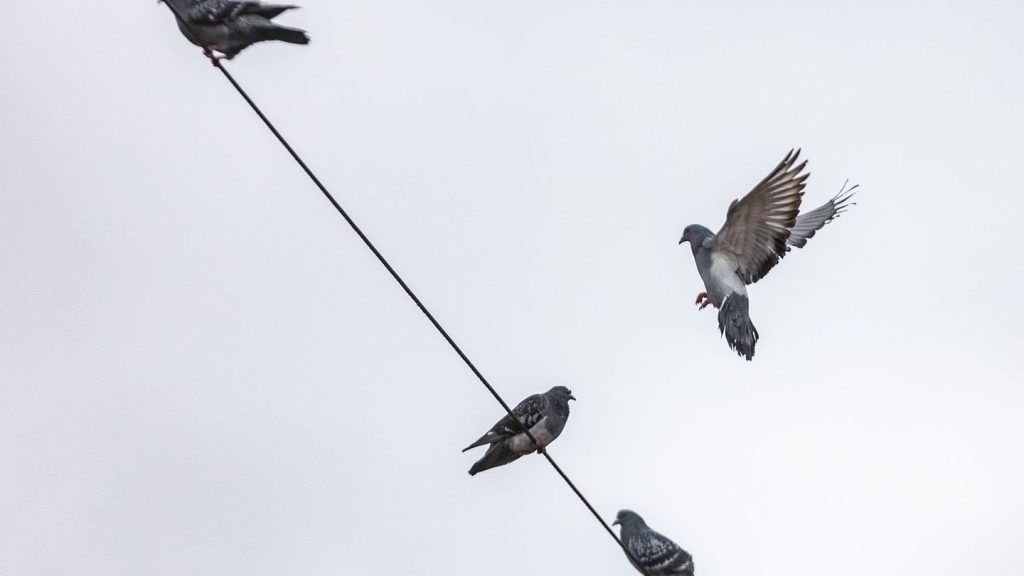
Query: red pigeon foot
point(703, 300)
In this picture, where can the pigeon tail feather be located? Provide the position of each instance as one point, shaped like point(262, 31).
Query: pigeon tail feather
point(286, 34)
point(497, 455)
point(488, 438)
point(734, 323)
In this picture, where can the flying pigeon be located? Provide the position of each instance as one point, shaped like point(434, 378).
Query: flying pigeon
point(759, 230)
point(229, 26)
point(653, 554)
point(544, 414)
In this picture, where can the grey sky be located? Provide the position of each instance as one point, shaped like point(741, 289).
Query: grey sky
point(204, 372)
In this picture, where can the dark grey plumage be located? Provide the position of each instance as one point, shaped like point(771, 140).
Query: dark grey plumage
point(759, 230)
point(734, 323)
point(230, 26)
point(544, 415)
point(655, 555)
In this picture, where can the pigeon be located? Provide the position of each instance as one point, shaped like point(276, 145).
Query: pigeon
point(652, 553)
point(759, 230)
point(229, 26)
point(545, 416)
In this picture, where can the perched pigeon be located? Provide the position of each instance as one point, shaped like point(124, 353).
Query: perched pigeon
point(544, 414)
point(654, 554)
point(229, 26)
point(759, 230)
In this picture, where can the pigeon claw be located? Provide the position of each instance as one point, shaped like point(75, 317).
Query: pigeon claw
point(540, 447)
point(703, 300)
point(211, 53)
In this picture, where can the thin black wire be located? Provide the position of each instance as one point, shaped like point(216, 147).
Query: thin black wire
point(394, 274)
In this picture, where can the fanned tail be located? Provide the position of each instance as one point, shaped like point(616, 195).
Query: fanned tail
point(734, 323)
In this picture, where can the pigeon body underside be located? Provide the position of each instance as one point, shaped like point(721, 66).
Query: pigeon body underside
point(718, 271)
point(513, 448)
point(229, 27)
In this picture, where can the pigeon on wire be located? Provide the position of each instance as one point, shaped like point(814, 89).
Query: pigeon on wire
point(229, 26)
point(653, 554)
point(543, 414)
point(759, 230)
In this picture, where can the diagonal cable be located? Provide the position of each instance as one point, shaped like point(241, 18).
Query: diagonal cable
point(394, 274)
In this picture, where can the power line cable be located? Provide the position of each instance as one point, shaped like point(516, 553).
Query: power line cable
point(394, 274)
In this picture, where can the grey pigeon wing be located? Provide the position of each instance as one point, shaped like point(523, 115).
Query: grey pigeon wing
point(223, 11)
point(529, 412)
point(757, 226)
point(659, 556)
point(270, 11)
point(810, 222)
point(208, 12)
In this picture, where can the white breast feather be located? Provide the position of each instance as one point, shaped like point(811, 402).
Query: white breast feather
point(723, 271)
point(521, 443)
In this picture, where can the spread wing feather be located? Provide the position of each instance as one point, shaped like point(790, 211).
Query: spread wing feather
point(758, 225)
point(810, 222)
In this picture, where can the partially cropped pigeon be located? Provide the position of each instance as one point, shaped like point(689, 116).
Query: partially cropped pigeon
point(543, 414)
point(229, 26)
point(653, 554)
point(759, 230)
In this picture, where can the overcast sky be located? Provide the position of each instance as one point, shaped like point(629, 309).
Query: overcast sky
point(204, 372)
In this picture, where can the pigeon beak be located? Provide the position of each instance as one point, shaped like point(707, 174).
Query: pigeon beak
point(571, 397)
point(683, 239)
point(616, 523)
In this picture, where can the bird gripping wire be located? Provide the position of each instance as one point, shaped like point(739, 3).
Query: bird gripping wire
point(394, 274)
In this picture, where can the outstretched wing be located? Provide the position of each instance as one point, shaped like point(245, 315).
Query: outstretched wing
point(529, 412)
point(757, 226)
point(659, 556)
point(810, 222)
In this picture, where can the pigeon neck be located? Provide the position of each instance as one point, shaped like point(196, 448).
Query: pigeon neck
point(698, 236)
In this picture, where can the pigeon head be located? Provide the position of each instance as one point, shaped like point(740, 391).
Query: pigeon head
point(628, 520)
point(695, 234)
point(561, 393)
